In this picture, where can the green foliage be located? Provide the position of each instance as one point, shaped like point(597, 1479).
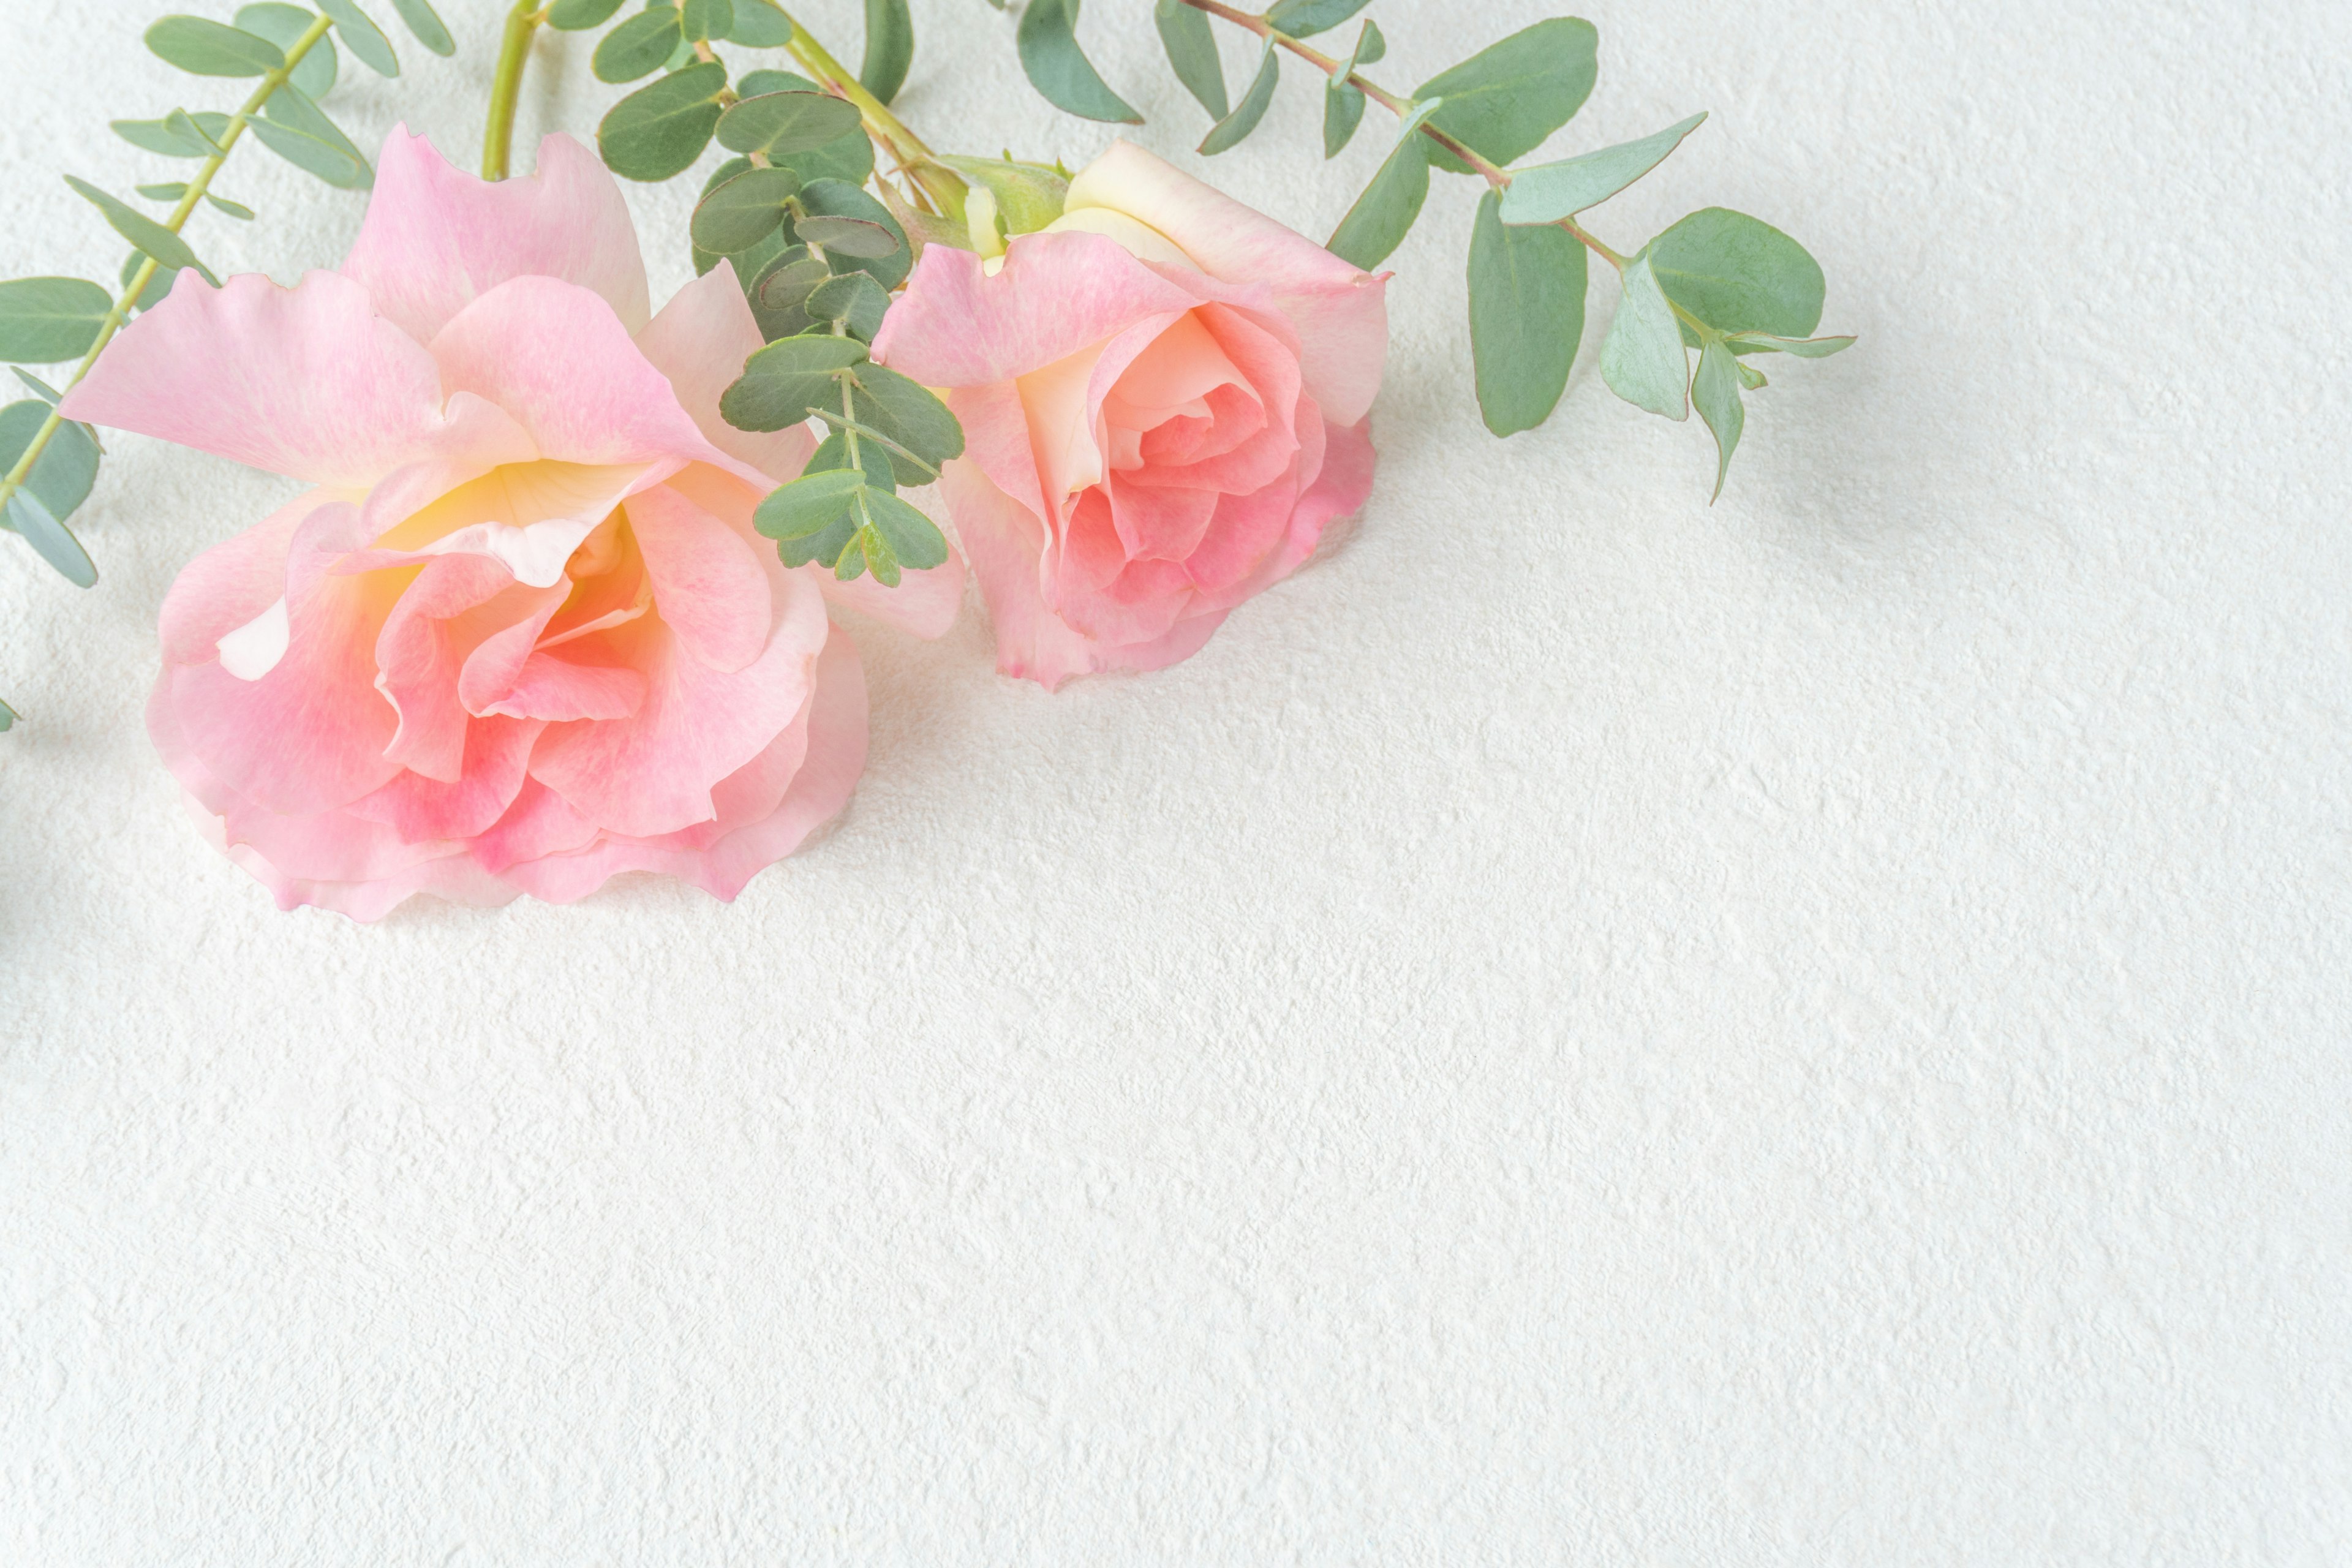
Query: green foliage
point(779, 289)
point(1058, 68)
point(638, 46)
point(778, 124)
point(140, 230)
point(853, 236)
point(1526, 314)
point(1803, 348)
point(282, 25)
point(838, 198)
point(1303, 18)
point(59, 482)
point(1383, 215)
point(579, 15)
point(743, 211)
point(204, 130)
point(889, 47)
point(1192, 53)
point(760, 25)
point(1230, 131)
point(159, 285)
point(699, 21)
point(46, 320)
point(1550, 192)
point(783, 381)
point(202, 47)
point(852, 301)
point(1643, 359)
point(237, 210)
point(297, 131)
point(1714, 391)
point(361, 37)
point(1504, 99)
point(1737, 274)
point(419, 18)
point(1343, 105)
point(7, 718)
point(905, 412)
point(159, 137)
point(658, 131)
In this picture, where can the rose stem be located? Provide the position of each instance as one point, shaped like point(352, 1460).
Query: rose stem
point(506, 87)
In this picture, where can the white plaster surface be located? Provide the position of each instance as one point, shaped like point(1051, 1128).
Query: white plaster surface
point(1582, 1030)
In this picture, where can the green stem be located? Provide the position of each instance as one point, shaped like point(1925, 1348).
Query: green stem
point(506, 87)
point(1402, 108)
point(15, 480)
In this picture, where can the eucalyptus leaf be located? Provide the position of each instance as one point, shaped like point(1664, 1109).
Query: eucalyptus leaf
point(418, 16)
point(1750, 376)
point(202, 47)
point(50, 539)
point(1550, 192)
point(699, 21)
point(880, 559)
point(780, 288)
point(579, 15)
point(854, 299)
point(743, 211)
point(1803, 348)
point(36, 386)
point(851, 564)
point(913, 538)
point(284, 25)
point(833, 453)
point(638, 46)
point(202, 129)
point(171, 193)
point(760, 25)
point(889, 48)
point(1503, 100)
point(1192, 52)
point(1343, 104)
point(1058, 68)
point(809, 505)
point(824, 548)
point(1304, 19)
point(1643, 359)
point(158, 286)
point(1028, 195)
point(657, 132)
point(783, 381)
point(157, 136)
point(361, 37)
point(1738, 274)
point(237, 210)
point(140, 230)
point(299, 131)
point(849, 159)
point(1715, 391)
point(759, 84)
point(1383, 215)
point(1526, 314)
point(7, 718)
point(837, 198)
point(1230, 131)
point(910, 413)
point(43, 321)
point(853, 236)
point(777, 124)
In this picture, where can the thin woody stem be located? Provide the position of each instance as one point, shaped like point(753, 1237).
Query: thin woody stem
point(15, 480)
point(937, 184)
point(1402, 108)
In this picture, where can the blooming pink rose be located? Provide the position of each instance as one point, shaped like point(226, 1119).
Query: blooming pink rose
point(1163, 398)
point(520, 635)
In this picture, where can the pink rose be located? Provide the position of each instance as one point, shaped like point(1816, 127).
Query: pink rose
point(1163, 398)
point(521, 635)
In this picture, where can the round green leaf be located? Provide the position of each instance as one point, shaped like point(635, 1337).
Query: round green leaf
point(699, 21)
point(783, 381)
point(1643, 359)
point(846, 237)
point(913, 538)
point(202, 48)
point(282, 25)
point(46, 320)
point(1504, 99)
point(362, 38)
point(758, 84)
point(779, 290)
point(779, 124)
point(808, 505)
point(638, 46)
point(910, 413)
point(838, 198)
point(833, 453)
point(760, 25)
point(1737, 274)
point(854, 299)
point(578, 15)
point(743, 211)
point(657, 132)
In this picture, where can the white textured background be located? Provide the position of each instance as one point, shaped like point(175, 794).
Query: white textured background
point(1583, 1028)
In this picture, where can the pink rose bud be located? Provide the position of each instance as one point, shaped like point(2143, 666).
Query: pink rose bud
point(1164, 400)
point(521, 635)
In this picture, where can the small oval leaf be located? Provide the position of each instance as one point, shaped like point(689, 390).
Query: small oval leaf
point(776, 124)
point(283, 25)
point(1383, 215)
point(1058, 68)
point(418, 16)
point(361, 37)
point(657, 132)
point(638, 46)
point(202, 47)
point(140, 229)
point(889, 47)
point(1642, 358)
point(579, 15)
point(1230, 131)
point(743, 211)
point(43, 321)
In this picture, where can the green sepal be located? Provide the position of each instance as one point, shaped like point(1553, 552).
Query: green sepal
point(1057, 68)
point(1028, 195)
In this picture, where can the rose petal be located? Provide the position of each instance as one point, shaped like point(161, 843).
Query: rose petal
point(498, 753)
point(699, 341)
point(709, 586)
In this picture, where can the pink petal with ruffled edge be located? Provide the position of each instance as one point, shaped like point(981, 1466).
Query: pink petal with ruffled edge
point(497, 755)
point(709, 586)
point(307, 381)
point(555, 357)
point(436, 238)
point(699, 341)
point(1340, 312)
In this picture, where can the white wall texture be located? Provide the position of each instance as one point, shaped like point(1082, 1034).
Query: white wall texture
point(1584, 1028)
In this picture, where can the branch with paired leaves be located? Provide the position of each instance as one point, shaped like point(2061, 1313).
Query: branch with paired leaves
point(50, 462)
point(1726, 284)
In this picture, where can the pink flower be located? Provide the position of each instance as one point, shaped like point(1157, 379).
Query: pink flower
point(1163, 398)
point(520, 635)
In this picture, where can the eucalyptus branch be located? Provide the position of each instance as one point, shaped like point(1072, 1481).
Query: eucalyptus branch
point(852, 430)
point(228, 140)
point(939, 185)
point(506, 86)
point(1402, 108)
